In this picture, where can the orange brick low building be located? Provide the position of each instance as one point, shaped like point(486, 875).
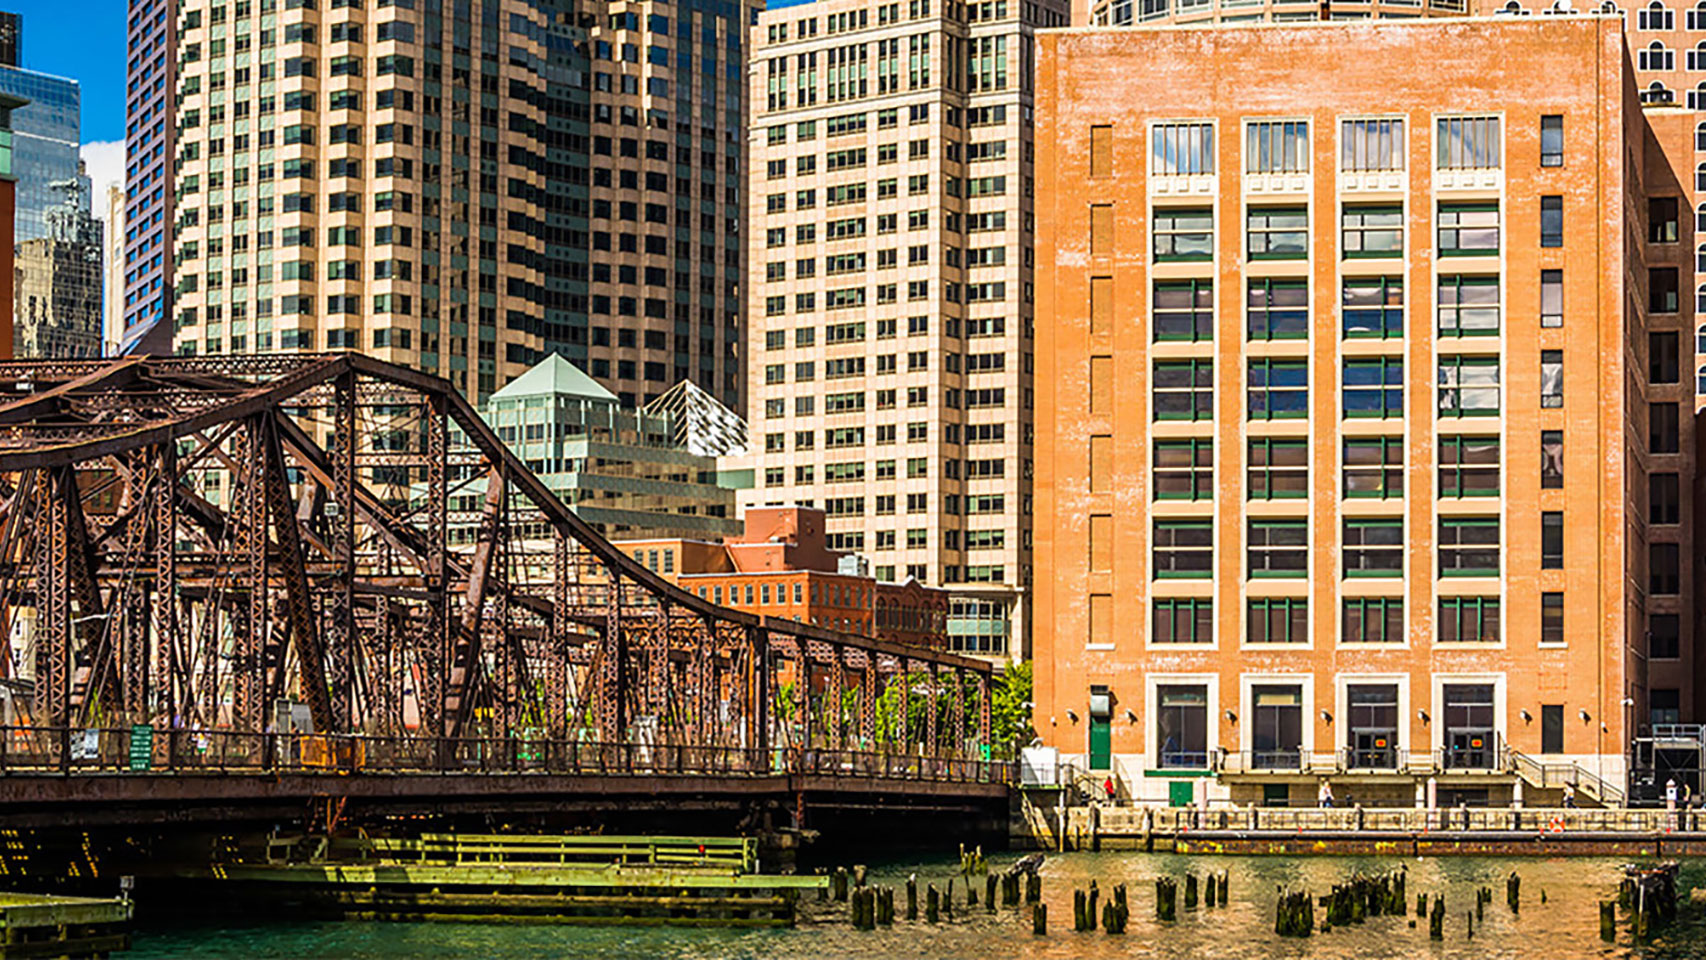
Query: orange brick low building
point(782, 567)
point(1364, 446)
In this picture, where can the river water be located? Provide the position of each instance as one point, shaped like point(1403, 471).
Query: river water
point(1565, 926)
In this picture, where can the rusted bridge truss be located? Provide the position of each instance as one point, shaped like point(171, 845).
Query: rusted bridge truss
point(193, 543)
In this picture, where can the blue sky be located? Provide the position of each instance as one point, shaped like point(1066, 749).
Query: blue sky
point(83, 40)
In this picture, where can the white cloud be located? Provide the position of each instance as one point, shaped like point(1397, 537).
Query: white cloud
point(105, 161)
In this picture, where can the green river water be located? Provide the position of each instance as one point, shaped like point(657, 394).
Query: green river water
point(1565, 926)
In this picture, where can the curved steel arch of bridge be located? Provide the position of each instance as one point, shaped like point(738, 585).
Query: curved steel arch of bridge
point(188, 544)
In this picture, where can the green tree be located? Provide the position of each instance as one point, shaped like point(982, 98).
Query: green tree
point(1010, 708)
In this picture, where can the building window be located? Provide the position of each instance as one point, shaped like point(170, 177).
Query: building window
point(1184, 469)
point(1184, 310)
point(1279, 389)
point(1552, 221)
point(1552, 619)
point(1371, 145)
point(1551, 459)
point(1183, 234)
point(1551, 298)
point(1372, 727)
point(1664, 640)
point(1372, 231)
point(1276, 734)
point(1277, 620)
point(1469, 143)
point(1662, 219)
point(1655, 16)
point(1662, 290)
point(1662, 430)
point(1468, 386)
point(1279, 469)
point(1374, 467)
point(1181, 726)
point(1469, 546)
point(1277, 233)
point(1663, 569)
point(1277, 309)
point(1655, 56)
point(1183, 620)
point(1468, 466)
point(1276, 146)
point(1184, 549)
point(1662, 357)
point(1278, 548)
point(1664, 499)
point(1373, 307)
point(1182, 148)
point(1374, 387)
point(1184, 389)
point(1552, 540)
point(1469, 620)
point(1374, 548)
point(1552, 140)
point(1469, 229)
point(1374, 620)
point(1551, 378)
point(1664, 706)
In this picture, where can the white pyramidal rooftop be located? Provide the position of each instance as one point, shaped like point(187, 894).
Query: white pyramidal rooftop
point(699, 422)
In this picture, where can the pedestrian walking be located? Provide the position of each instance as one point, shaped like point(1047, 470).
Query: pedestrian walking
point(1325, 795)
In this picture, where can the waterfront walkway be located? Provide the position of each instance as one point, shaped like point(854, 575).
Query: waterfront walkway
point(1418, 831)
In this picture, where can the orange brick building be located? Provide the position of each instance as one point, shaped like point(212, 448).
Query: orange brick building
point(782, 567)
point(1362, 408)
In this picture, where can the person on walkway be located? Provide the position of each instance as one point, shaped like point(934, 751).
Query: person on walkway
point(1108, 788)
point(1670, 794)
point(1325, 795)
point(1569, 796)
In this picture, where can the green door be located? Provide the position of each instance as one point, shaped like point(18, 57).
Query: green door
point(1101, 743)
point(1180, 793)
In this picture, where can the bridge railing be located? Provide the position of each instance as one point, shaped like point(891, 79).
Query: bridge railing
point(118, 750)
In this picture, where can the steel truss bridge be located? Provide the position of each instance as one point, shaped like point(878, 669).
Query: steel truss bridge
point(230, 580)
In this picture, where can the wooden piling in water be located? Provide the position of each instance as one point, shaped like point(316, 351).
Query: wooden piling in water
point(838, 883)
point(1091, 909)
point(1033, 888)
point(1513, 892)
point(1608, 920)
point(1166, 898)
point(932, 904)
point(1190, 891)
point(1078, 901)
point(1436, 920)
point(859, 873)
point(989, 892)
point(948, 900)
point(1039, 919)
point(912, 898)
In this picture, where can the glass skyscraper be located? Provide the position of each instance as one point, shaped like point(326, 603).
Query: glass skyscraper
point(46, 134)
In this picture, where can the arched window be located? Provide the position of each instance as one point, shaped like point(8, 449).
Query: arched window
point(1609, 7)
point(1700, 137)
point(1700, 341)
point(1655, 56)
point(1700, 300)
point(1697, 56)
point(1700, 381)
point(1697, 96)
point(1696, 19)
point(1656, 92)
point(1655, 16)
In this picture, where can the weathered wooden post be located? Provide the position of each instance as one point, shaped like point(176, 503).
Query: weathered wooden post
point(839, 881)
point(1421, 904)
point(1078, 901)
point(1039, 919)
point(989, 892)
point(1513, 892)
point(948, 900)
point(823, 891)
point(1190, 891)
point(1436, 920)
point(912, 898)
point(932, 904)
point(859, 872)
point(1033, 888)
point(1608, 920)
point(1091, 909)
point(1166, 899)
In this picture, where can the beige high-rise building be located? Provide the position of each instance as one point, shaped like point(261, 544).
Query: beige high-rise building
point(465, 188)
point(112, 241)
point(889, 330)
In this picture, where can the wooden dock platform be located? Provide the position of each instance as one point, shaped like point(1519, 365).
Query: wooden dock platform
point(514, 879)
point(41, 925)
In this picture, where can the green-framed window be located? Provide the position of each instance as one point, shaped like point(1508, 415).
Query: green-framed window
point(1183, 310)
point(1468, 466)
point(1374, 467)
point(1468, 305)
point(1183, 234)
point(1468, 546)
point(1374, 230)
point(1469, 229)
point(1184, 389)
point(1278, 548)
point(1372, 307)
point(1277, 309)
point(1374, 620)
point(1468, 386)
point(1184, 549)
point(1469, 620)
point(1374, 548)
point(1184, 469)
point(1279, 389)
point(1182, 620)
point(1277, 233)
point(1279, 468)
point(1277, 620)
point(1374, 387)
